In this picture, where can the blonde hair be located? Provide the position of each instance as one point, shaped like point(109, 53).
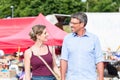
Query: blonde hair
point(36, 30)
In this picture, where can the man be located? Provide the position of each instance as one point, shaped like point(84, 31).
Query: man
point(81, 52)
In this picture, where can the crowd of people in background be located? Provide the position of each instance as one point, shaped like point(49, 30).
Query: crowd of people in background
point(12, 62)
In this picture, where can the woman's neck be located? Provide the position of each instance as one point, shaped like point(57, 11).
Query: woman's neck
point(38, 44)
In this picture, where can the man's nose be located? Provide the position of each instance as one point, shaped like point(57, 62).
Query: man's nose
point(70, 24)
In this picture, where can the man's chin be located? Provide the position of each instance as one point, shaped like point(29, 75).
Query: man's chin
point(73, 31)
point(46, 40)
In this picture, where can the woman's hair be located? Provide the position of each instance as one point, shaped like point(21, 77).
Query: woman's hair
point(36, 30)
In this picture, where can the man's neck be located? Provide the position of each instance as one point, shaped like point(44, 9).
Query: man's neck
point(81, 32)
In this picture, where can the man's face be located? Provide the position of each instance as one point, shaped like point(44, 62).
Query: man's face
point(75, 25)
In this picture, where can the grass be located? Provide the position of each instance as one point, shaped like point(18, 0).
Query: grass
point(67, 28)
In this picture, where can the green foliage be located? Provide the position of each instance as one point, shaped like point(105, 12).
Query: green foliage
point(67, 28)
point(103, 6)
point(61, 6)
point(34, 7)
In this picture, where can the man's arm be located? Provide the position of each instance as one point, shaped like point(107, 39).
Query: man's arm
point(100, 70)
point(63, 68)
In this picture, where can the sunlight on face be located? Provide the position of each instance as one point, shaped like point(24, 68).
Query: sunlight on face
point(43, 36)
point(75, 25)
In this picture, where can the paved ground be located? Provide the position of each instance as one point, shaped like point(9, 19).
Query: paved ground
point(111, 78)
point(106, 78)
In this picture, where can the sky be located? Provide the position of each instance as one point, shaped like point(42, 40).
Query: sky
point(83, 0)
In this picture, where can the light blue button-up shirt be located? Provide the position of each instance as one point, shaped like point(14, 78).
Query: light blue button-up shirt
point(82, 54)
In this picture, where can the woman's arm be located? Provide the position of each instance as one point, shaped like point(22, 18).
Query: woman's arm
point(55, 67)
point(27, 56)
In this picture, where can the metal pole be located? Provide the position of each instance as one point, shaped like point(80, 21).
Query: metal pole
point(119, 9)
point(87, 6)
point(12, 11)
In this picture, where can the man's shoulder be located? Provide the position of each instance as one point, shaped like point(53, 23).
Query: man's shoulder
point(69, 35)
point(91, 34)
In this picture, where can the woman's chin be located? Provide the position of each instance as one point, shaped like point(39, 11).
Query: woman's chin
point(45, 40)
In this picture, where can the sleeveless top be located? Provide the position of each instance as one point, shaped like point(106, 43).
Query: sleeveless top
point(38, 67)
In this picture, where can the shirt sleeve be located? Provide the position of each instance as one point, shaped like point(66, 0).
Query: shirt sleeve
point(98, 52)
point(64, 54)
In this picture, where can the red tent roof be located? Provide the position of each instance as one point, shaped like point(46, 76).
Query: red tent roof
point(14, 25)
point(21, 39)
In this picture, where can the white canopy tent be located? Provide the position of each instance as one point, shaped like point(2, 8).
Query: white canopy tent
point(107, 27)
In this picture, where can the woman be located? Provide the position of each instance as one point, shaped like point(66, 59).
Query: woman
point(31, 60)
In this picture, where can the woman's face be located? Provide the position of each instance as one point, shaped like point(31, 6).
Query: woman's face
point(43, 36)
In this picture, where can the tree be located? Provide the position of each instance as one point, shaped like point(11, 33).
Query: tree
point(5, 8)
point(34, 7)
point(102, 6)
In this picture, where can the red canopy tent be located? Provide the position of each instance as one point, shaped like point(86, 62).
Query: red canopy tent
point(12, 26)
point(21, 39)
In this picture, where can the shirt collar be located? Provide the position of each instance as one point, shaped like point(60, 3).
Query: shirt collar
point(85, 35)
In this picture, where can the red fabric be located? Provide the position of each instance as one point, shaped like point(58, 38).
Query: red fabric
point(21, 39)
point(12, 26)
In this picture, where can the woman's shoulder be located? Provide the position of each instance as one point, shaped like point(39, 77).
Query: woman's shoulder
point(51, 49)
point(27, 52)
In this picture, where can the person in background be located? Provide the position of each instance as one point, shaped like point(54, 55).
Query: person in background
point(2, 54)
point(58, 54)
point(81, 52)
point(31, 60)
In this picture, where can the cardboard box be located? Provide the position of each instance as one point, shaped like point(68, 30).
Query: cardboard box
point(8, 74)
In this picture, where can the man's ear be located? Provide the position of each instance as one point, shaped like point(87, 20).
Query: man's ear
point(82, 24)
